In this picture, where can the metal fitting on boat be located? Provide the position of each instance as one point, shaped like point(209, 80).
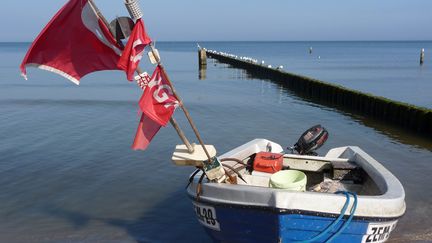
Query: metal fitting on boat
point(134, 9)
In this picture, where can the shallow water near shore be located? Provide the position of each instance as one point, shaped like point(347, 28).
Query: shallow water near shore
point(67, 172)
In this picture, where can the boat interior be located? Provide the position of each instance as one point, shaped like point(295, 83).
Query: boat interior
point(323, 174)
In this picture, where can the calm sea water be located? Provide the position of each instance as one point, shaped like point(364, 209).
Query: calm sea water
point(388, 69)
point(67, 173)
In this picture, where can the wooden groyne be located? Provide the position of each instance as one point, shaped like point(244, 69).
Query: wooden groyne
point(404, 115)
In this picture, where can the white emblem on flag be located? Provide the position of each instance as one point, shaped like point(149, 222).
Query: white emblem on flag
point(138, 56)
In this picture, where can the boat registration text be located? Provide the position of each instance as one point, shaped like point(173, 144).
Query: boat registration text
point(379, 232)
point(206, 216)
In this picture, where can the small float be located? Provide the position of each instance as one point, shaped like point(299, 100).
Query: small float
point(347, 197)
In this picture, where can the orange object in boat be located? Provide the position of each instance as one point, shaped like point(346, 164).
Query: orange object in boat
point(268, 162)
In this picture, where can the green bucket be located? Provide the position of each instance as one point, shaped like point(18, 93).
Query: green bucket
point(293, 180)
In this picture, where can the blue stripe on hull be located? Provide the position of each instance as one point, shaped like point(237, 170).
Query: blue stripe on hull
point(294, 227)
point(252, 225)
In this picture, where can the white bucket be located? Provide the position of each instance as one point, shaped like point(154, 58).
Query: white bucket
point(293, 180)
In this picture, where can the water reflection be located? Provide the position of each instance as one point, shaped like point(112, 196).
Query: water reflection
point(147, 227)
point(202, 73)
point(392, 131)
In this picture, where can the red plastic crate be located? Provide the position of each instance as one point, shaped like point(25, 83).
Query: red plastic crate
point(268, 162)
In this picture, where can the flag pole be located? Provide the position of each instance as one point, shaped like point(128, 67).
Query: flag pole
point(176, 126)
point(99, 13)
point(136, 13)
point(173, 122)
point(181, 104)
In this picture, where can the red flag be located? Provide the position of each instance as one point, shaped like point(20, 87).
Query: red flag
point(147, 129)
point(134, 49)
point(75, 42)
point(158, 101)
point(158, 105)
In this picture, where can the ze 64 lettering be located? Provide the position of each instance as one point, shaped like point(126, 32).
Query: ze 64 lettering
point(379, 233)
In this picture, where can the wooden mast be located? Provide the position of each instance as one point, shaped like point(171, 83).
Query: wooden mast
point(181, 104)
point(212, 168)
point(173, 122)
point(136, 13)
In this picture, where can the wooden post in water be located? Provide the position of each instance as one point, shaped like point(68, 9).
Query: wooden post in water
point(202, 57)
point(422, 54)
point(202, 63)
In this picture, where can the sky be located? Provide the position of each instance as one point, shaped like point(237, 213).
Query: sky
point(245, 20)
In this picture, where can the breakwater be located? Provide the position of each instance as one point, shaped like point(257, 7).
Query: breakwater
point(406, 116)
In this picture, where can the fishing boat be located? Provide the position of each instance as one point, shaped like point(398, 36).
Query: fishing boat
point(253, 193)
point(348, 197)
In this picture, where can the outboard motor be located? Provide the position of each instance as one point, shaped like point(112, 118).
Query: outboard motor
point(311, 140)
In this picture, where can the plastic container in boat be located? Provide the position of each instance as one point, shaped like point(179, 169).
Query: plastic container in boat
point(268, 162)
point(293, 180)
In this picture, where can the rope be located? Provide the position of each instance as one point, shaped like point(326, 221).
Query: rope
point(332, 225)
point(352, 211)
